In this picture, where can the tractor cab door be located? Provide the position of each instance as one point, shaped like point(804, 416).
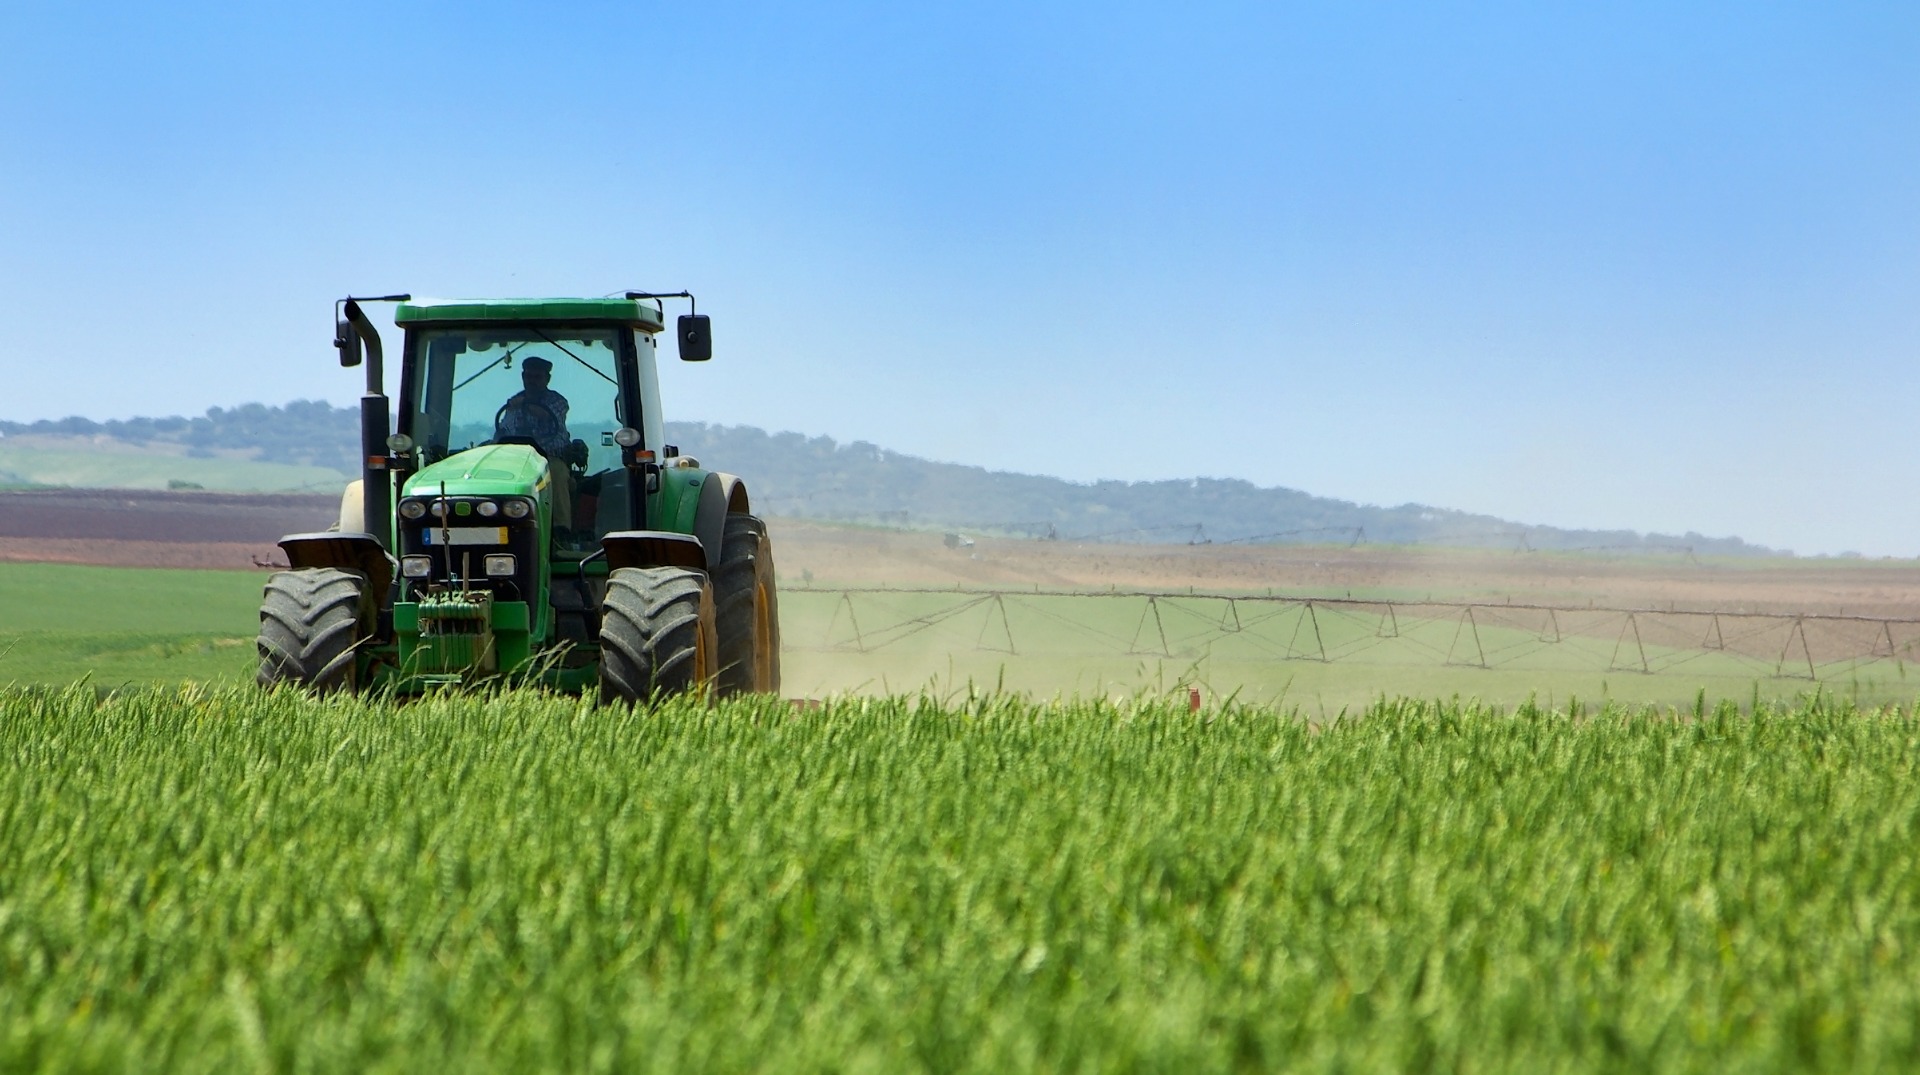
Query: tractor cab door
point(619, 495)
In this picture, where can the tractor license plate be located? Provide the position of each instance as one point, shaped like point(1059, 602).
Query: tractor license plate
point(468, 535)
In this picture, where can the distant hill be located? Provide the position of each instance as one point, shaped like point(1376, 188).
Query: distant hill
point(815, 477)
point(302, 433)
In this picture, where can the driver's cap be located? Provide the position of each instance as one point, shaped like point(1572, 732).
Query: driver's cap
point(537, 365)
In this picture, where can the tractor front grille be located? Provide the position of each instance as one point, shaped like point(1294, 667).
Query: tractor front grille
point(456, 557)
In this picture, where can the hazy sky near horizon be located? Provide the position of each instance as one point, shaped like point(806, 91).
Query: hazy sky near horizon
point(1641, 265)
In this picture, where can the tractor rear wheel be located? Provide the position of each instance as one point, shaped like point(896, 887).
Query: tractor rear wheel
point(748, 609)
point(656, 633)
point(311, 621)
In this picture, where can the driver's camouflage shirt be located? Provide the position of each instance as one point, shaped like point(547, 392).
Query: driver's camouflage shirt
point(528, 422)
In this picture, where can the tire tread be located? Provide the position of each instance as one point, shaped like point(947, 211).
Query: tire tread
point(746, 557)
point(311, 623)
point(650, 625)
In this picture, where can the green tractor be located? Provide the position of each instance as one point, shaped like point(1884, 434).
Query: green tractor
point(526, 521)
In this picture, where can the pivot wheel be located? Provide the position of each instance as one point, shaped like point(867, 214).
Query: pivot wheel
point(311, 620)
point(748, 608)
point(656, 633)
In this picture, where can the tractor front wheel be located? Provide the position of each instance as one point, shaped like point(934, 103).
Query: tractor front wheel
point(311, 620)
point(656, 633)
point(748, 608)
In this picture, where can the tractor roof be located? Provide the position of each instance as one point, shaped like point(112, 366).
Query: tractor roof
point(637, 312)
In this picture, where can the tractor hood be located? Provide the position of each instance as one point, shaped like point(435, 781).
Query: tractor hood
point(489, 470)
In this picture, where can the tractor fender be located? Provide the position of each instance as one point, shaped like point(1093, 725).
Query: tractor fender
point(720, 494)
point(696, 502)
point(347, 551)
point(653, 548)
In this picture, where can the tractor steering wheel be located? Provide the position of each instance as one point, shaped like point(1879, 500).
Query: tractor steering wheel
point(548, 428)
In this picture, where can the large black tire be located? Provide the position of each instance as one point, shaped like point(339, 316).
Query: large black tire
point(311, 621)
point(748, 609)
point(656, 633)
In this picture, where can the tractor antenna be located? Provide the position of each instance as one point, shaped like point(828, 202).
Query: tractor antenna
point(693, 305)
point(338, 303)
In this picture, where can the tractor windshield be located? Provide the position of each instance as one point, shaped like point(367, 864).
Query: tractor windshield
point(523, 384)
point(548, 386)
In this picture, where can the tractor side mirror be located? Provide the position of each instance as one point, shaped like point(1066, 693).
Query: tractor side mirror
point(696, 338)
point(347, 342)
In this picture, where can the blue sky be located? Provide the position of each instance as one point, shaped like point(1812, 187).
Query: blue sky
point(1627, 265)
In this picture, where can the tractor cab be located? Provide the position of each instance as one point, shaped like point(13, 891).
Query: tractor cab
point(571, 391)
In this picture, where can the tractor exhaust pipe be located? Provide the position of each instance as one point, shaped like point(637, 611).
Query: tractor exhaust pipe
point(376, 479)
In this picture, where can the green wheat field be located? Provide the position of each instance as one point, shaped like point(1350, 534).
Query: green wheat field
point(217, 879)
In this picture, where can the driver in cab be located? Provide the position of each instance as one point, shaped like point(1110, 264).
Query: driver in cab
point(539, 413)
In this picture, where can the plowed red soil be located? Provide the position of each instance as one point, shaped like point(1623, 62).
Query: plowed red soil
point(133, 528)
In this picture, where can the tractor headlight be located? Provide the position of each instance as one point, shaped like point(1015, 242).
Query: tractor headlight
point(487, 509)
point(399, 444)
point(499, 564)
point(439, 509)
point(416, 567)
point(517, 509)
point(412, 509)
point(626, 436)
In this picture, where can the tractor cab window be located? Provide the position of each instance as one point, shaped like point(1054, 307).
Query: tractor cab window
point(482, 386)
point(555, 388)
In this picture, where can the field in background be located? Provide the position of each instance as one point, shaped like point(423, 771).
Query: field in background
point(93, 463)
point(900, 559)
point(115, 626)
point(232, 880)
point(1322, 657)
point(1378, 625)
point(1332, 627)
